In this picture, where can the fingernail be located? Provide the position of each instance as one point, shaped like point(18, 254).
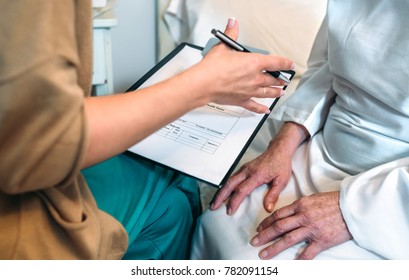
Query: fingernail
point(211, 206)
point(267, 112)
point(231, 22)
point(229, 211)
point(270, 207)
point(255, 241)
point(282, 92)
point(263, 254)
point(293, 66)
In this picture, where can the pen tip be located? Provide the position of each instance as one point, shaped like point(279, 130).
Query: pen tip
point(285, 79)
point(214, 31)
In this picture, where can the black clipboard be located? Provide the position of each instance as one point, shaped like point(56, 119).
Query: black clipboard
point(238, 155)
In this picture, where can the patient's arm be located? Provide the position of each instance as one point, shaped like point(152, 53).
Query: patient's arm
point(273, 167)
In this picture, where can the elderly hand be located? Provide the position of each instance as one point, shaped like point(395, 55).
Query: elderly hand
point(316, 219)
point(273, 167)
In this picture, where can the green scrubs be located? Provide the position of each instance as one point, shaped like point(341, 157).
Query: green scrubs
point(157, 206)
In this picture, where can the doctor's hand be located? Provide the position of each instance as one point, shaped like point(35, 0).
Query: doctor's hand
point(273, 168)
point(316, 219)
point(234, 78)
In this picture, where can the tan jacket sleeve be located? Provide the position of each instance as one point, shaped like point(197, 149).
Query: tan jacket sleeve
point(42, 122)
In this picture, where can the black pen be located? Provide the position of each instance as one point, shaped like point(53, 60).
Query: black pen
point(236, 46)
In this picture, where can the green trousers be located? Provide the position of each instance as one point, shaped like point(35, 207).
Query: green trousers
point(157, 207)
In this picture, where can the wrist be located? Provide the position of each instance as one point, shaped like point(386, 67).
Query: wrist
point(290, 137)
point(192, 87)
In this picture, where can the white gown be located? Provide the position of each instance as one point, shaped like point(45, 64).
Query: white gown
point(354, 101)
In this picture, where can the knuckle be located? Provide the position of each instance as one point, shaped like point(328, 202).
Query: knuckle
point(275, 91)
point(260, 80)
point(283, 62)
point(290, 238)
point(258, 62)
point(310, 252)
point(306, 255)
point(303, 204)
point(265, 236)
point(275, 215)
point(242, 191)
point(303, 201)
point(305, 217)
point(279, 226)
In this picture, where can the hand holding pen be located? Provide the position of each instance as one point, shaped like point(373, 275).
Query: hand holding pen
point(236, 46)
point(241, 80)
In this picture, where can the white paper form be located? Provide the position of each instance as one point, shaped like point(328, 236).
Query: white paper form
point(206, 142)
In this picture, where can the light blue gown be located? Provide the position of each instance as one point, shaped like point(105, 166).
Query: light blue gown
point(354, 101)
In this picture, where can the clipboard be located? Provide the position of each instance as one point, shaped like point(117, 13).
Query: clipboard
point(206, 143)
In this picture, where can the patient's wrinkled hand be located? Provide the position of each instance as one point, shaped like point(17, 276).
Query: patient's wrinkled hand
point(316, 219)
point(273, 167)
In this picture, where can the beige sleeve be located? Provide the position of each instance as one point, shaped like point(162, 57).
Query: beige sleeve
point(42, 120)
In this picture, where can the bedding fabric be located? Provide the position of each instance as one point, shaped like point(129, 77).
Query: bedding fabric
point(357, 116)
point(285, 28)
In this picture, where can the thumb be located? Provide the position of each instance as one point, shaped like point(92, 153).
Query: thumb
point(232, 28)
point(271, 197)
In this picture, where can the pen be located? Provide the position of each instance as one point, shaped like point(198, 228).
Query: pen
point(236, 46)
